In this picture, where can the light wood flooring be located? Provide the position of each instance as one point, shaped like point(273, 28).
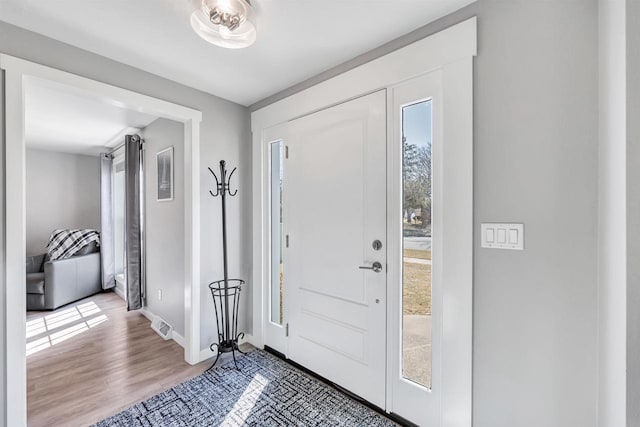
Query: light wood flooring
point(91, 359)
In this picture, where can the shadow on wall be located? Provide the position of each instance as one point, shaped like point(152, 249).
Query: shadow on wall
point(62, 191)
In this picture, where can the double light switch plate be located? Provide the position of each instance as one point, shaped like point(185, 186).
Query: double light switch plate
point(502, 236)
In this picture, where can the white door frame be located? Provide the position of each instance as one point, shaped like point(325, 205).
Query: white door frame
point(451, 51)
point(16, 70)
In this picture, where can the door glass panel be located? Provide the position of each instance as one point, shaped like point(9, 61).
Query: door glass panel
point(276, 173)
point(416, 229)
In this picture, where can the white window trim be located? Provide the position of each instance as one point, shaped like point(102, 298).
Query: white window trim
point(451, 51)
point(276, 334)
point(16, 70)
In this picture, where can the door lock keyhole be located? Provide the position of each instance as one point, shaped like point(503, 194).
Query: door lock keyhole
point(377, 245)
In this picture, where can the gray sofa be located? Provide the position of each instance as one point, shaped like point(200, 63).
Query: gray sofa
point(51, 284)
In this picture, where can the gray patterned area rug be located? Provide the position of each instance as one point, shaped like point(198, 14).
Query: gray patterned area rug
point(265, 392)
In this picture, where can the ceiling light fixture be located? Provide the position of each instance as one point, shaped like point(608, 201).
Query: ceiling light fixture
point(225, 23)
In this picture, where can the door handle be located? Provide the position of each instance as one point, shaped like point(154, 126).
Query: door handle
point(377, 267)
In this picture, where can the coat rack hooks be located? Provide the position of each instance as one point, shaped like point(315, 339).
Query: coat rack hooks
point(223, 185)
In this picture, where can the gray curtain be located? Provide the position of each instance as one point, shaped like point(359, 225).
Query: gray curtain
point(133, 223)
point(107, 254)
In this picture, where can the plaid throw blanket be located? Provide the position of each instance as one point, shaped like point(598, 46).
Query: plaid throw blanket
point(66, 243)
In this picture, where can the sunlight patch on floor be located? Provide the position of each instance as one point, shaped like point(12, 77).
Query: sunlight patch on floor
point(245, 404)
point(75, 320)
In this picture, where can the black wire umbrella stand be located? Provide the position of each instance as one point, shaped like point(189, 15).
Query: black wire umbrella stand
point(225, 292)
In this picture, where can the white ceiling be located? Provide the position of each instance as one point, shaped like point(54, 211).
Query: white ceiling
point(297, 39)
point(64, 119)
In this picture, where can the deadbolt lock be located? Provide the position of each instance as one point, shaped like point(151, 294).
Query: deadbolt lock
point(377, 245)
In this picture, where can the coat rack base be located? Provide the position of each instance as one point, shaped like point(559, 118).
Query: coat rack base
point(229, 346)
point(226, 302)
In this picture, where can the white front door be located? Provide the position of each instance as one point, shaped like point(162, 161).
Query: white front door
point(335, 275)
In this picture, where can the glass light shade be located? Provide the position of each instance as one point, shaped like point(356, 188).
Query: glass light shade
point(207, 22)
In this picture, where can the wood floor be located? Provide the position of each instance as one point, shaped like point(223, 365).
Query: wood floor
point(91, 359)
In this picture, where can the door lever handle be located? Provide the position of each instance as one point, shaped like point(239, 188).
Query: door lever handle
point(377, 267)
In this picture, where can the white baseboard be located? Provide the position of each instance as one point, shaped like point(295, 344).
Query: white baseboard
point(249, 339)
point(206, 353)
point(177, 338)
point(120, 293)
point(146, 313)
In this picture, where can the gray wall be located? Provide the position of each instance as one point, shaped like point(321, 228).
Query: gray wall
point(535, 144)
point(62, 191)
point(216, 147)
point(536, 135)
point(164, 225)
point(633, 212)
point(225, 133)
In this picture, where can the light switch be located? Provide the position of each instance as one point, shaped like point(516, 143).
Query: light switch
point(489, 235)
point(502, 236)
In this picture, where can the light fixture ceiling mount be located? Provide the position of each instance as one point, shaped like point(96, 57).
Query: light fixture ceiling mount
point(225, 23)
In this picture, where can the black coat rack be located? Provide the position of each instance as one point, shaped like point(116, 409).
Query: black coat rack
point(225, 292)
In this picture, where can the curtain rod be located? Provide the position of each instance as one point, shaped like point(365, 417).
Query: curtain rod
point(122, 145)
point(116, 148)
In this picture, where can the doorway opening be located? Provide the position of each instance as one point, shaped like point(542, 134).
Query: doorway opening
point(344, 254)
point(88, 163)
point(356, 209)
point(17, 73)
